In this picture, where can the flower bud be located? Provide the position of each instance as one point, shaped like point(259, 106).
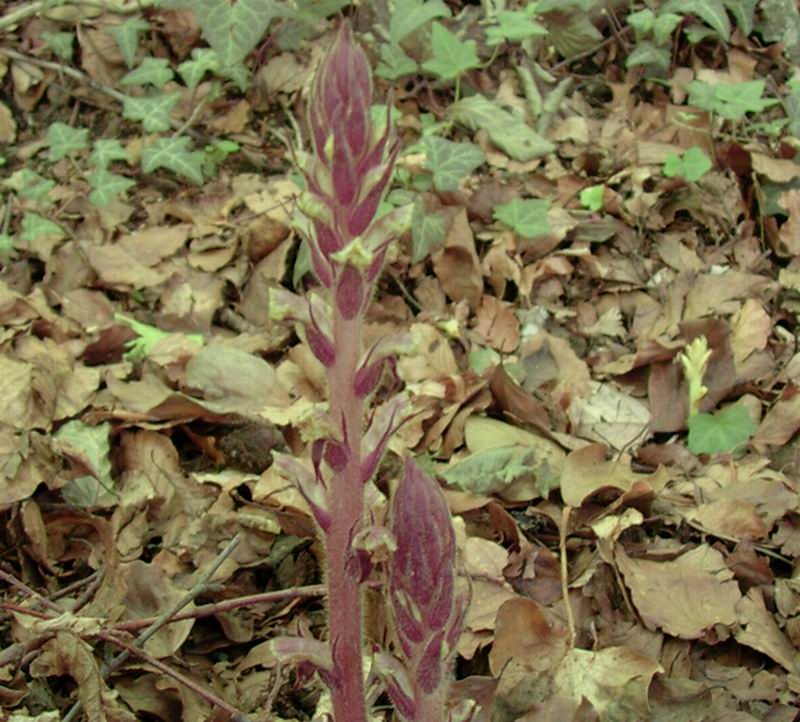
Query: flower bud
point(422, 581)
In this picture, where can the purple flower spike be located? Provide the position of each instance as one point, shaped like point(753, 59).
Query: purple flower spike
point(421, 588)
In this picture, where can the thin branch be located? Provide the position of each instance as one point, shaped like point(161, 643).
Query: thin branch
point(562, 548)
point(73, 73)
point(207, 610)
point(120, 7)
point(11, 580)
point(82, 77)
point(209, 697)
point(200, 586)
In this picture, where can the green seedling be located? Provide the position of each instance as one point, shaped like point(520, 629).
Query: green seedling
point(592, 198)
point(723, 431)
point(148, 337)
point(692, 165)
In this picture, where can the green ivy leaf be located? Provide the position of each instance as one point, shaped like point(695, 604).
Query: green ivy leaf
point(645, 53)
point(90, 448)
point(780, 22)
point(151, 71)
point(711, 12)
point(664, 25)
point(231, 30)
point(692, 165)
point(642, 22)
point(720, 432)
point(65, 140)
point(153, 112)
point(528, 217)
point(428, 232)
point(514, 26)
point(743, 11)
point(126, 36)
point(394, 63)
point(450, 162)
point(29, 184)
point(730, 100)
point(107, 186)
point(204, 60)
point(408, 15)
point(592, 198)
point(60, 43)
point(481, 359)
point(147, 337)
point(451, 56)
point(34, 226)
point(175, 154)
point(697, 33)
point(505, 130)
point(107, 150)
point(7, 250)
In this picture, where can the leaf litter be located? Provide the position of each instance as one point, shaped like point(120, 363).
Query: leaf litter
point(613, 573)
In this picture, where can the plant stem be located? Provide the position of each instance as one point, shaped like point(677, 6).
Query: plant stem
point(347, 508)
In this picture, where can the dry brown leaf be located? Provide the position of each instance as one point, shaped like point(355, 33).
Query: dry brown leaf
point(760, 631)
point(587, 471)
point(697, 599)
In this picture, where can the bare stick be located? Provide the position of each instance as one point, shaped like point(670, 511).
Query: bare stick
point(207, 610)
point(562, 548)
point(160, 621)
point(200, 691)
point(114, 6)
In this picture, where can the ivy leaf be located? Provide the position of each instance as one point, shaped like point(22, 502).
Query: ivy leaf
point(428, 232)
point(408, 15)
point(175, 154)
point(450, 162)
point(505, 130)
point(107, 150)
point(664, 25)
point(645, 53)
point(720, 432)
point(528, 217)
point(152, 71)
point(90, 448)
point(106, 186)
point(60, 43)
point(711, 12)
point(592, 197)
point(743, 11)
point(148, 336)
point(35, 226)
point(692, 165)
point(203, 60)
point(153, 112)
point(65, 140)
point(7, 250)
point(514, 26)
point(394, 62)
point(126, 36)
point(29, 184)
point(642, 22)
point(730, 100)
point(231, 30)
point(451, 56)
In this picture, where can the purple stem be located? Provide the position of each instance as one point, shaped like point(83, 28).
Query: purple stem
point(347, 511)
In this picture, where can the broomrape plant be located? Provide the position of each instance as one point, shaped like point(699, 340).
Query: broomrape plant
point(347, 174)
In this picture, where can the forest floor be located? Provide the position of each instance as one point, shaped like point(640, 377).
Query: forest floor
point(602, 277)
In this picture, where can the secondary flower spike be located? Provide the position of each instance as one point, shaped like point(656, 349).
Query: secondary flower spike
point(428, 615)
